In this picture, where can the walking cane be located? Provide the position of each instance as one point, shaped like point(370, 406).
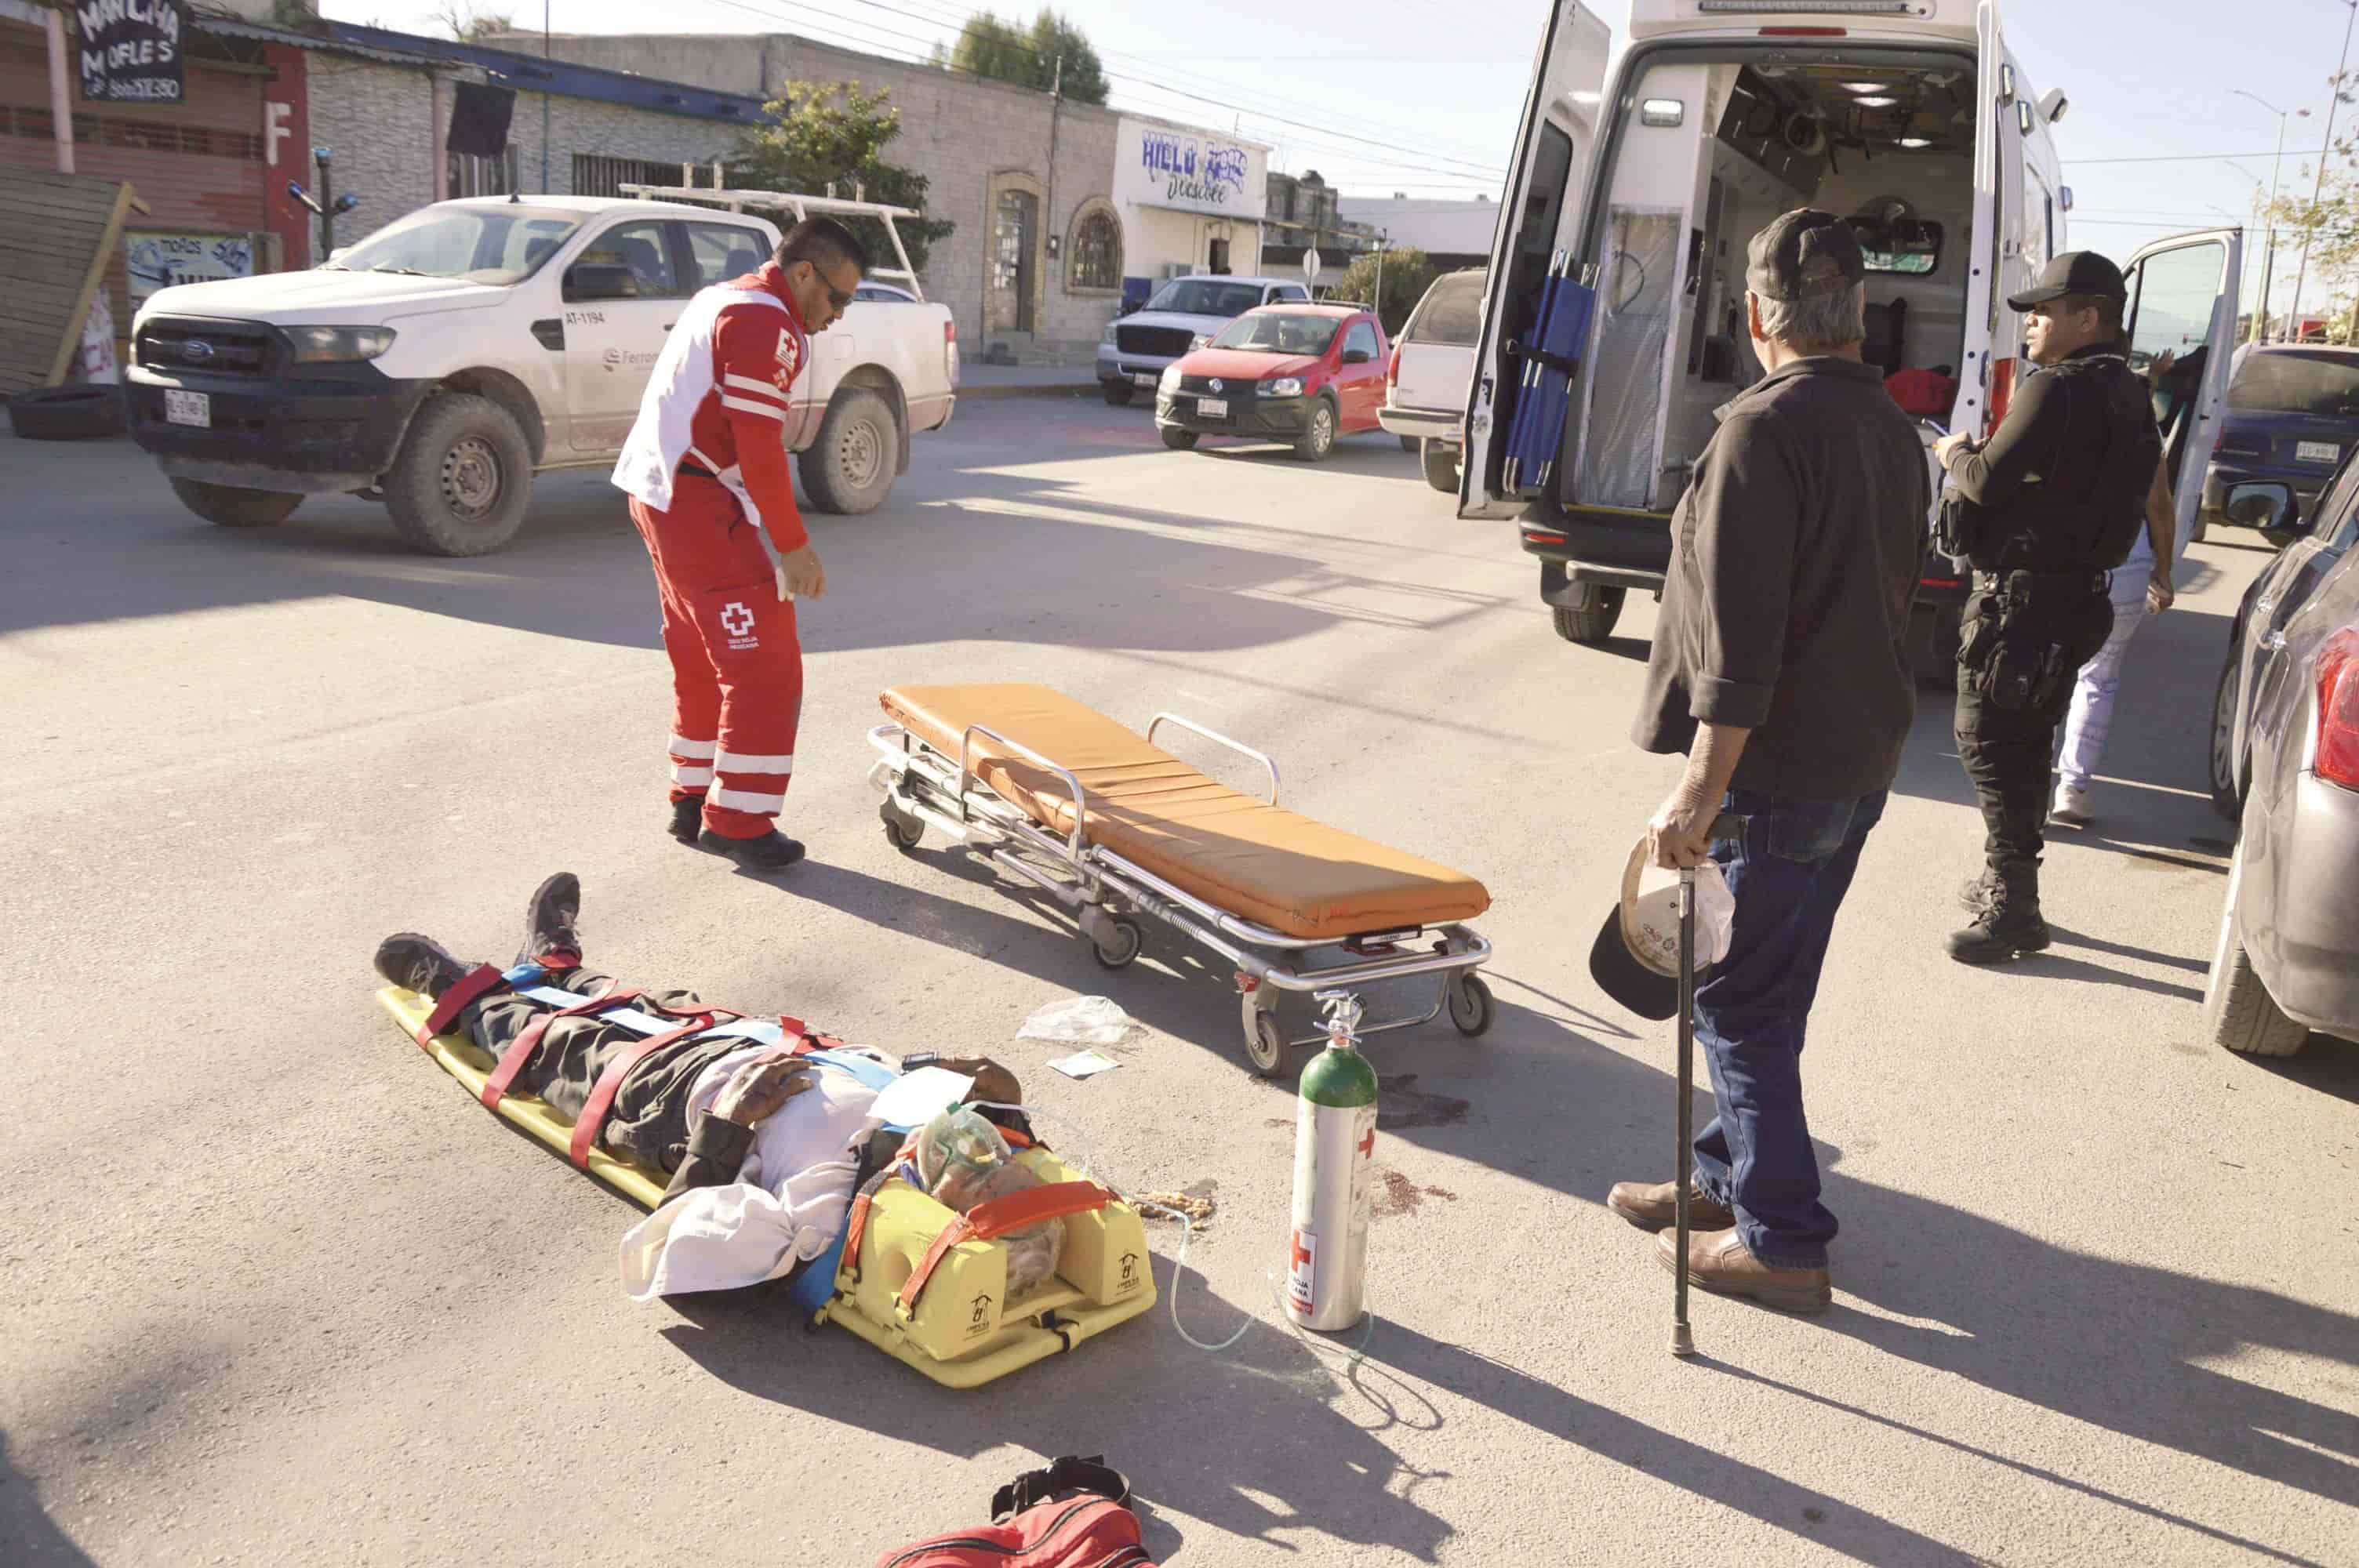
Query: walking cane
point(1683, 1337)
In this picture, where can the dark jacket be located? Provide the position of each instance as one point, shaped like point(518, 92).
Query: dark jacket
point(2062, 481)
point(1795, 555)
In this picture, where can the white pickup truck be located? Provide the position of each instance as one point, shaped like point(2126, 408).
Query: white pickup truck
point(444, 360)
point(1432, 369)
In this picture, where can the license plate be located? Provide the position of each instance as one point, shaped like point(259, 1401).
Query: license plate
point(2316, 452)
point(1142, 378)
point(1211, 408)
point(188, 408)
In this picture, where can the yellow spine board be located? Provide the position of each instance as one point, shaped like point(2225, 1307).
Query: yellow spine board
point(963, 1332)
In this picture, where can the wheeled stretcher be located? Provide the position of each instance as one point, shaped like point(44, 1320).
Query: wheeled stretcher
point(923, 1284)
point(1113, 830)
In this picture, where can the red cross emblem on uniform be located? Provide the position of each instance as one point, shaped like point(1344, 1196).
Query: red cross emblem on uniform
point(1369, 1142)
point(790, 356)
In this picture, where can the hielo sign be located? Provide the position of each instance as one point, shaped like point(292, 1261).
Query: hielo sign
point(1195, 171)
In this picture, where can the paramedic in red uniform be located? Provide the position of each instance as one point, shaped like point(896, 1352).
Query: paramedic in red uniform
point(706, 470)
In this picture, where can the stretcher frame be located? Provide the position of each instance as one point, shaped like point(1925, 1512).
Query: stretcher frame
point(923, 787)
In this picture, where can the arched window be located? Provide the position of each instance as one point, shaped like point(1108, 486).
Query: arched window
point(1096, 253)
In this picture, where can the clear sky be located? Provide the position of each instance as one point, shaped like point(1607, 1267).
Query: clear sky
point(1421, 96)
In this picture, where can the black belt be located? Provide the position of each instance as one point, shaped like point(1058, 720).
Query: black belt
point(699, 469)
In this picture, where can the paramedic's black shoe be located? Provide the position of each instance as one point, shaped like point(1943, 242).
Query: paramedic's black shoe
point(418, 963)
point(773, 852)
point(550, 937)
point(2009, 926)
point(688, 818)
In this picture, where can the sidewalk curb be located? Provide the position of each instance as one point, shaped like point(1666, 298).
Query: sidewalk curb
point(1050, 389)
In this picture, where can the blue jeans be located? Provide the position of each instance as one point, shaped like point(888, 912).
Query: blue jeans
point(1790, 872)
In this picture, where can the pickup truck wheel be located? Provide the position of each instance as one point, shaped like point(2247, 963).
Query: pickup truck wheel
point(1590, 618)
point(849, 470)
point(1441, 466)
point(233, 507)
point(2239, 1014)
point(1178, 439)
point(1118, 392)
point(460, 484)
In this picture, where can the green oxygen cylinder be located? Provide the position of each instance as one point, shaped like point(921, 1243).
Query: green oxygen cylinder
point(1334, 1164)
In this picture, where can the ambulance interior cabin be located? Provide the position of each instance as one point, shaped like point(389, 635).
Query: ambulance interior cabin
point(1707, 154)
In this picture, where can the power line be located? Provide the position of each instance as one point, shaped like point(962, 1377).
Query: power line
point(1433, 159)
point(2192, 157)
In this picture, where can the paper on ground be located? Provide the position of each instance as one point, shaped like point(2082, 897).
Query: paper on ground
point(1084, 1064)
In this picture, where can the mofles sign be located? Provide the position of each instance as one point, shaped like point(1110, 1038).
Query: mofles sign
point(131, 50)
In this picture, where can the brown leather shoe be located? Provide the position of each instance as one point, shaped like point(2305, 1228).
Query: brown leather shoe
point(1654, 1205)
point(1719, 1262)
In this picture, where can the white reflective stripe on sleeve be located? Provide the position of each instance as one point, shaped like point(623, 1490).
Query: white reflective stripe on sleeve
point(739, 763)
point(749, 383)
point(746, 800)
point(681, 747)
point(747, 406)
point(689, 777)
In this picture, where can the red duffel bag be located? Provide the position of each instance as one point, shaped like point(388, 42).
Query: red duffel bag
point(1074, 1514)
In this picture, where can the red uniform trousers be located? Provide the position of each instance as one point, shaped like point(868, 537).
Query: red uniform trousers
point(737, 661)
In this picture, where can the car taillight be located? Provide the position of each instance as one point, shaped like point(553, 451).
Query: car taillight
point(2002, 391)
point(2338, 709)
point(1392, 368)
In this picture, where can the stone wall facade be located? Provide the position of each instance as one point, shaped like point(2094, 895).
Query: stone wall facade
point(378, 119)
point(977, 142)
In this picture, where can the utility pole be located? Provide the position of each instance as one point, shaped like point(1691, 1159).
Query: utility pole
point(2326, 151)
point(1056, 111)
point(2269, 267)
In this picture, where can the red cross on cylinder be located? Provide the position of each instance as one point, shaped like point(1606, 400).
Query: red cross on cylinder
point(1335, 1166)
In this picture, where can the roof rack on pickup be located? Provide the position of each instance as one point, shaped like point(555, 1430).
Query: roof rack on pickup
point(802, 207)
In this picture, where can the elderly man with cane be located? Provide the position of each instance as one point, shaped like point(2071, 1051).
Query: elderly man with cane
point(1779, 668)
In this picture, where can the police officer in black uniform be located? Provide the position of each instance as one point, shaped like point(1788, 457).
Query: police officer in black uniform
point(2044, 510)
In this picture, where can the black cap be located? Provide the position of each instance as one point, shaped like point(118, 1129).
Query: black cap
point(2074, 272)
point(1620, 975)
point(1801, 252)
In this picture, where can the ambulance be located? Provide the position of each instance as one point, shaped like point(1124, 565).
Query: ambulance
point(1640, 174)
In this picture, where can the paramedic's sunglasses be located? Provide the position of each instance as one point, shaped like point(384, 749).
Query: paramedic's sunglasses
point(841, 298)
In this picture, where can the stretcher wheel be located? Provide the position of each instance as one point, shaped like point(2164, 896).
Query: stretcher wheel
point(1123, 948)
point(1266, 1043)
point(903, 833)
point(1471, 1007)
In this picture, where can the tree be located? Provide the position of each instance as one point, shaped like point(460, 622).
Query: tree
point(469, 24)
point(1003, 51)
point(1409, 272)
point(2324, 230)
point(835, 133)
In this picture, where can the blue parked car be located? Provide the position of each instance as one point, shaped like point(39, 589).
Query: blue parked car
point(2293, 411)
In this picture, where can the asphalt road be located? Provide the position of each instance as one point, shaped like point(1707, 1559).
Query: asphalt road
point(276, 1291)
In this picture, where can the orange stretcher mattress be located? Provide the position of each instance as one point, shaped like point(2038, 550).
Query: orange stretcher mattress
point(1276, 868)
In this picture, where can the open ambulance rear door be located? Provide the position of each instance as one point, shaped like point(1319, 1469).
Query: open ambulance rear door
point(2183, 296)
point(1541, 212)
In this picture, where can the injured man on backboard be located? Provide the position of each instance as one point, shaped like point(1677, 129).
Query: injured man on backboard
point(766, 1129)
